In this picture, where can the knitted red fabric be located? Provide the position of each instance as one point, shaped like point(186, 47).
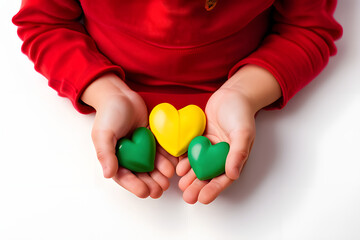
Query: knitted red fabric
point(176, 51)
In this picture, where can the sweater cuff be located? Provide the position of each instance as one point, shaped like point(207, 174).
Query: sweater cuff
point(75, 90)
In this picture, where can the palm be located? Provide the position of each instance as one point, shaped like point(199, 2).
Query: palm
point(229, 119)
point(118, 118)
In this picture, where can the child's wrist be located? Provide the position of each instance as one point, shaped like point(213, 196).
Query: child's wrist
point(104, 88)
point(256, 84)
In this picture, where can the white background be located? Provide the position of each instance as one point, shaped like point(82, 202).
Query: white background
point(301, 182)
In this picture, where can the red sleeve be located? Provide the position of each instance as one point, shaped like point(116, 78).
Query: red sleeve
point(57, 43)
point(299, 44)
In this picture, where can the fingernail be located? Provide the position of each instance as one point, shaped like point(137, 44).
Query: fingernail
point(237, 172)
point(241, 168)
point(105, 171)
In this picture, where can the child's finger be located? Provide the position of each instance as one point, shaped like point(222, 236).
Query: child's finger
point(210, 192)
point(174, 160)
point(240, 143)
point(164, 165)
point(105, 142)
point(191, 193)
point(130, 182)
point(187, 180)
point(162, 180)
point(183, 167)
point(154, 188)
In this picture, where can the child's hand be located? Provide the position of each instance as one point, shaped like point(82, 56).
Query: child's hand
point(231, 118)
point(119, 111)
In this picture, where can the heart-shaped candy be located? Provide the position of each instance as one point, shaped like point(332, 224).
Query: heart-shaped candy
point(175, 129)
point(207, 161)
point(138, 154)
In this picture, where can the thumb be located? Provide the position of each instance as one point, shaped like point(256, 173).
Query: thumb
point(105, 142)
point(240, 146)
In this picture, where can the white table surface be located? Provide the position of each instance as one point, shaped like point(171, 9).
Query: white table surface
point(301, 182)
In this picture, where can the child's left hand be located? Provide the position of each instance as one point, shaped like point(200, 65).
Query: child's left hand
point(230, 115)
point(230, 118)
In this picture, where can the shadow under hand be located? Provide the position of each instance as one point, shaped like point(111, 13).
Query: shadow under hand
point(259, 164)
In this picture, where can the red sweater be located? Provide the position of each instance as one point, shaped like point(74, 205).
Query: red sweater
point(174, 50)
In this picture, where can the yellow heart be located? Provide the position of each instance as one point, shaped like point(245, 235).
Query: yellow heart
point(175, 129)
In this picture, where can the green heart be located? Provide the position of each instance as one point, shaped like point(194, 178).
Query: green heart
point(138, 154)
point(207, 161)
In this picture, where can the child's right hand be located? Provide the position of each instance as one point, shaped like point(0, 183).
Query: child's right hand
point(119, 111)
